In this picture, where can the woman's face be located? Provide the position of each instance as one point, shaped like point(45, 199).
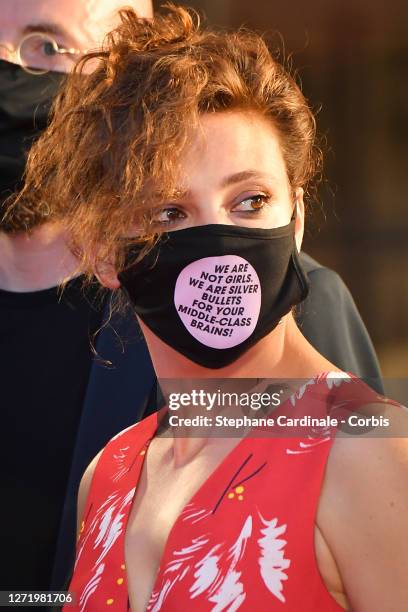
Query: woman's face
point(232, 173)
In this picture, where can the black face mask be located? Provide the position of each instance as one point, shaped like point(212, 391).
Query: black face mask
point(25, 101)
point(213, 291)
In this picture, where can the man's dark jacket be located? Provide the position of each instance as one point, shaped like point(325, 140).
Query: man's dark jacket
point(119, 395)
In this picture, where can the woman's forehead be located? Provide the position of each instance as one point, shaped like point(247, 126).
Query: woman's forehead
point(229, 143)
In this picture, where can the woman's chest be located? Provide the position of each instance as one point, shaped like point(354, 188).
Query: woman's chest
point(239, 536)
point(145, 548)
point(161, 503)
point(190, 536)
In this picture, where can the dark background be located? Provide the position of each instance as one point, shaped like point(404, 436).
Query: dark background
point(352, 58)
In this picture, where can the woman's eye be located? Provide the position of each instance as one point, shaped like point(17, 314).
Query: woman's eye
point(166, 216)
point(252, 204)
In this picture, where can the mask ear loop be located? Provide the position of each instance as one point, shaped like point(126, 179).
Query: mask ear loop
point(294, 211)
point(293, 218)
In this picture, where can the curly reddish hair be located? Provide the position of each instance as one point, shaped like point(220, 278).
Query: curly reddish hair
point(111, 152)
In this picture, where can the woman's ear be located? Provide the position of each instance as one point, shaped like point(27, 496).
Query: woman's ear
point(300, 217)
point(107, 275)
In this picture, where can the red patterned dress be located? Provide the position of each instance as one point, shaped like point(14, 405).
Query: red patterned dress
point(245, 541)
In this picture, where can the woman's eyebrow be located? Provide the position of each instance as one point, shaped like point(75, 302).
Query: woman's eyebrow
point(238, 177)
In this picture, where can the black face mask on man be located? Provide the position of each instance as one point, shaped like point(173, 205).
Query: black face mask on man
point(213, 291)
point(25, 102)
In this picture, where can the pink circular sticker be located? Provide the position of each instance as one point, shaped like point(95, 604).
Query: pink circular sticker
point(218, 300)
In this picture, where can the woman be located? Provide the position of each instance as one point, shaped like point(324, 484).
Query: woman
point(180, 165)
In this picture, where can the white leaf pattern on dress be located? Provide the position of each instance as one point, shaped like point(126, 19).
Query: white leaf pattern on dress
point(222, 584)
point(217, 574)
point(332, 379)
point(230, 594)
point(164, 591)
point(92, 526)
point(335, 379)
point(111, 524)
point(108, 524)
point(90, 587)
point(119, 460)
point(307, 447)
point(297, 395)
point(207, 572)
point(272, 561)
point(191, 512)
point(180, 562)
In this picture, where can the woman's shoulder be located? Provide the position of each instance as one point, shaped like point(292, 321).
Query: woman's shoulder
point(340, 385)
point(125, 443)
point(370, 441)
point(112, 460)
point(373, 433)
point(364, 500)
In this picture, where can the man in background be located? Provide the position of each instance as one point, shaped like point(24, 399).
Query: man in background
point(59, 405)
point(45, 356)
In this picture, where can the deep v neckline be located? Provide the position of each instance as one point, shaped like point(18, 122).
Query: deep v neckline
point(243, 444)
point(222, 466)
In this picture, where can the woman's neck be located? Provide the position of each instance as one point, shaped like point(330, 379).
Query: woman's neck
point(284, 353)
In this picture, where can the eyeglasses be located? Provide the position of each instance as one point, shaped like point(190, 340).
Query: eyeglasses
point(38, 53)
